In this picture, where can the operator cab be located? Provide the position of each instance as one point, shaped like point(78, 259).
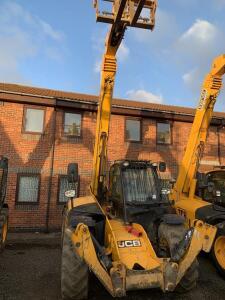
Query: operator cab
point(211, 186)
point(135, 190)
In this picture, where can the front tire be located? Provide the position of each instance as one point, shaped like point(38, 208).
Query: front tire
point(189, 280)
point(218, 253)
point(74, 273)
point(169, 237)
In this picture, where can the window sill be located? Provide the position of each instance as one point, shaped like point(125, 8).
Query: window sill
point(27, 206)
point(164, 144)
point(132, 141)
point(32, 136)
point(71, 139)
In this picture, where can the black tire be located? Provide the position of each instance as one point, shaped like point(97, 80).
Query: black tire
point(189, 281)
point(169, 237)
point(74, 273)
point(4, 220)
point(218, 264)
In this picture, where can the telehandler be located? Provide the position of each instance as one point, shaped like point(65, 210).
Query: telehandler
point(216, 179)
point(186, 202)
point(3, 205)
point(126, 232)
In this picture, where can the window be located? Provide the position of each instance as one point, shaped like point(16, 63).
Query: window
point(72, 124)
point(64, 186)
point(28, 188)
point(163, 133)
point(34, 120)
point(133, 130)
point(139, 185)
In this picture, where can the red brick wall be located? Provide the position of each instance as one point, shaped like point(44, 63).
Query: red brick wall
point(32, 153)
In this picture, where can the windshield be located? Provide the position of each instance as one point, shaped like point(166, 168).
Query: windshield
point(218, 178)
point(139, 186)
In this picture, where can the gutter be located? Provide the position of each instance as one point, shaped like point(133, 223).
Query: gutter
point(96, 104)
point(26, 94)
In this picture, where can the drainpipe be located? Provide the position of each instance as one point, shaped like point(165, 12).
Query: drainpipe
point(51, 172)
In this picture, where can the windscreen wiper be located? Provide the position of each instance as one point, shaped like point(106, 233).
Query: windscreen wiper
point(139, 203)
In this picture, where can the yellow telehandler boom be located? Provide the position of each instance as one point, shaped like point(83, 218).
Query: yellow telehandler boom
point(183, 192)
point(124, 13)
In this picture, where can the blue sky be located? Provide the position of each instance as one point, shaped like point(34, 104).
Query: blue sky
point(58, 45)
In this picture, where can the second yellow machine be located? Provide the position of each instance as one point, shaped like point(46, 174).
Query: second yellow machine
point(187, 203)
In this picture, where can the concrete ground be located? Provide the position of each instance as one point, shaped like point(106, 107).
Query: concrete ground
point(30, 269)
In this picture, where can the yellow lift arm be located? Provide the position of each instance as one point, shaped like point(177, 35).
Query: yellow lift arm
point(186, 181)
point(124, 13)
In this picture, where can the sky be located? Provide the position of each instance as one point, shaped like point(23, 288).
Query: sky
point(58, 45)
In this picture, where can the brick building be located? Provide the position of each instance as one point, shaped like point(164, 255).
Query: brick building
point(43, 130)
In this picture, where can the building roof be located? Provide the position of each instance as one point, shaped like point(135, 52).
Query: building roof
point(18, 89)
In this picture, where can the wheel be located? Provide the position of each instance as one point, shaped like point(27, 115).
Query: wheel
point(74, 273)
point(189, 280)
point(3, 228)
point(218, 253)
point(169, 237)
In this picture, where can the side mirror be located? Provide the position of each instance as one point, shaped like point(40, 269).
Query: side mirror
point(72, 172)
point(162, 166)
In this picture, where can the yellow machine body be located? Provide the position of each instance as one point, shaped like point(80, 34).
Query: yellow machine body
point(155, 272)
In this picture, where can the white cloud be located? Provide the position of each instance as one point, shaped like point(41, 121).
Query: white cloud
point(201, 32)
point(49, 31)
point(144, 96)
point(97, 66)
point(195, 49)
point(200, 43)
point(24, 36)
point(193, 79)
point(11, 10)
point(123, 52)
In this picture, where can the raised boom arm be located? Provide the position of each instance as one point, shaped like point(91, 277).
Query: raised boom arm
point(212, 84)
point(124, 13)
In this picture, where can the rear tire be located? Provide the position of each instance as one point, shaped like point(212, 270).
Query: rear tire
point(218, 254)
point(169, 237)
point(74, 273)
point(4, 220)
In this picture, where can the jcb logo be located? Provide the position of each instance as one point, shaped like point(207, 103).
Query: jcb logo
point(131, 243)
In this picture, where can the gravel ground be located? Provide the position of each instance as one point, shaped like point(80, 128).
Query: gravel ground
point(30, 269)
